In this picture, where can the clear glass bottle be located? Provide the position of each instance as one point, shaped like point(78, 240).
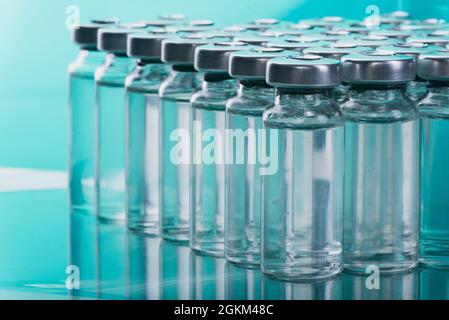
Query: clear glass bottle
point(142, 132)
point(208, 108)
point(416, 89)
point(174, 134)
point(382, 164)
point(434, 116)
point(243, 178)
point(110, 124)
point(302, 206)
point(81, 117)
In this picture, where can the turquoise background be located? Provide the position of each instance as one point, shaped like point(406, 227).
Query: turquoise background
point(36, 50)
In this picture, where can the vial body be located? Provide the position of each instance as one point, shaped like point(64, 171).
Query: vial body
point(381, 180)
point(303, 199)
point(142, 147)
point(174, 135)
point(110, 136)
point(208, 165)
point(243, 173)
point(434, 117)
point(82, 129)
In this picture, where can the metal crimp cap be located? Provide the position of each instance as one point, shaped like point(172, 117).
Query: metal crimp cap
point(181, 50)
point(410, 49)
point(146, 46)
point(86, 35)
point(113, 40)
point(304, 71)
point(378, 67)
point(434, 65)
point(252, 64)
point(215, 57)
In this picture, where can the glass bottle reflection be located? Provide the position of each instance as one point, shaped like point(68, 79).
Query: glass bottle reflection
point(401, 286)
point(242, 283)
point(143, 267)
point(208, 277)
point(82, 253)
point(111, 257)
point(330, 289)
point(433, 284)
point(175, 271)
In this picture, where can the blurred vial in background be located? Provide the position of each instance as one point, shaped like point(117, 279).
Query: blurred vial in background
point(142, 131)
point(337, 51)
point(302, 208)
point(434, 113)
point(418, 87)
point(382, 163)
point(174, 124)
point(110, 123)
point(207, 146)
point(243, 179)
point(82, 115)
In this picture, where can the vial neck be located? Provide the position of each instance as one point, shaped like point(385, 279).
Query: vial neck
point(438, 88)
point(256, 88)
point(146, 62)
point(183, 68)
point(218, 83)
point(90, 56)
point(304, 96)
point(384, 92)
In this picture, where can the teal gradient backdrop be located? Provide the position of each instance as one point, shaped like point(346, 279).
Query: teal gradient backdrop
point(36, 50)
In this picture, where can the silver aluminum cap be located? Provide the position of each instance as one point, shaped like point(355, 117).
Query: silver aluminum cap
point(252, 64)
point(335, 50)
point(434, 66)
point(410, 49)
point(304, 71)
point(253, 40)
point(86, 35)
point(214, 58)
point(181, 50)
point(113, 40)
point(146, 46)
point(297, 45)
point(430, 40)
point(201, 23)
point(173, 17)
point(390, 33)
point(378, 68)
point(321, 37)
point(371, 41)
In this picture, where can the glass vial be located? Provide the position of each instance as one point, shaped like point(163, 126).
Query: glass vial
point(382, 164)
point(434, 116)
point(208, 108)
point(243, 178)
point(81, 117)
point(110, 124)
point(142, 132)
point(174, 135)
point(302, 206)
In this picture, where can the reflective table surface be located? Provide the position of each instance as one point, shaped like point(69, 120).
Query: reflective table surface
point(44, 249)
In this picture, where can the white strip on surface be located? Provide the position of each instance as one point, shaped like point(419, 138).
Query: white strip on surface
point(21, 179)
